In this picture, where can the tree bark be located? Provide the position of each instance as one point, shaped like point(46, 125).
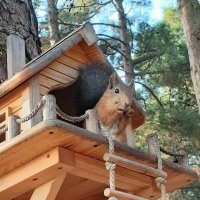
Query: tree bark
point(190, 19)
point(18, 17)
point(3, 58)
point(125, 38)
point(53, 22)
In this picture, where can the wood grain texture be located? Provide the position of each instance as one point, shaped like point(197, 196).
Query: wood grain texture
point(49, 191)
point(30, 98)
point(49, 134)
point(49, 166)
point(16, 58)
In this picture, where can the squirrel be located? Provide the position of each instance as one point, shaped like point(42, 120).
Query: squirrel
point(98, 86)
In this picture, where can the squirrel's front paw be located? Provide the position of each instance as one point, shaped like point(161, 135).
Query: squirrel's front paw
point(129, 112)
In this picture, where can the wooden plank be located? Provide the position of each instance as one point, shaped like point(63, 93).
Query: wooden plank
point(77, 56)
point(69, 61)
point(93, 52)
point(119, 194)
point(88, 34)
point(78, 49)
point(64, 69)
point(76, 188)
point(12, 98)
point(13, 127)
point(49, 190)
point(55, 75)
point(47, 82)
point(30, 98)
point(38, 171)
point(39, 63)
point(136, 166)
point(16, 58)
point(150, 192)
point(91, 122)
point(43, 90)
point(94, 170)
point(49, 134)
point(129, 134)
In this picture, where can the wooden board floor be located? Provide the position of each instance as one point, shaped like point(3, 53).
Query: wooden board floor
point(75, 188)
point(89, 148)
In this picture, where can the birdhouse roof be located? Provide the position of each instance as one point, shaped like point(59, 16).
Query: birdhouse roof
point(86, 34)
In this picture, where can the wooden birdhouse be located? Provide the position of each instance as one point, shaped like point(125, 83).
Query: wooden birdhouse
point(45, 158)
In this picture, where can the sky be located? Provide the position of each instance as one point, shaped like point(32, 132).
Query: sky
point(158, 7)
point(156, 12)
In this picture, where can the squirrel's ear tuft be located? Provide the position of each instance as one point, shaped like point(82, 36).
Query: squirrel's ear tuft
point(113, 80)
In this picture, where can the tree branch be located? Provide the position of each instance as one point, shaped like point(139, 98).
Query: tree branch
point(105, 24)
point(145, 58)
point(114, 38)
point(111, 46)
point(152, 93)
point(89, 5)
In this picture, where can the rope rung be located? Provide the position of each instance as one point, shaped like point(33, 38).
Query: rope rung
point(130, 164)
point(119, 194)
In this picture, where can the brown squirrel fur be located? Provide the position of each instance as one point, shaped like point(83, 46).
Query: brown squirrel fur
point(115, 107)
point(99, 86)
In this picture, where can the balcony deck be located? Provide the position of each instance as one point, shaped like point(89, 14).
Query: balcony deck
point(87, 177)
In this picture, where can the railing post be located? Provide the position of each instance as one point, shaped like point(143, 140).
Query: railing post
point(15, 54)
point(91, 122)
point(154, 148)
point(129, 134)
point(183, 159)
point(13, 127)
point(49, 110)
point(152, 141)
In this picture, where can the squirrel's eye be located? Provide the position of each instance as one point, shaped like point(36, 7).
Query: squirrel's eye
point(116, 90)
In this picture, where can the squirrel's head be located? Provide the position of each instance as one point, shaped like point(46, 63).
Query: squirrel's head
point(119, 95)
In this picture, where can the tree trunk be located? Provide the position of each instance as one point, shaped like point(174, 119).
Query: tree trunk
point(3, 58)
point(125, 39)
point(190, 19)
point(53, 22)
point(18, 17)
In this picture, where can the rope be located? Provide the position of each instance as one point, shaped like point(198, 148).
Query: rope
point(33, 113)
point(71, 118)
point(171, 153)
point(109, 165)
point(111, 168)
point(160, 182)
point(158, 153)
point(3, 130)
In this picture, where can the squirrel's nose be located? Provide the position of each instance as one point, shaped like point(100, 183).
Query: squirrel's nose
point(126, 105)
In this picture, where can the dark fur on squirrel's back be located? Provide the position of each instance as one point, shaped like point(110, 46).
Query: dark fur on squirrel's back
point(91, 84)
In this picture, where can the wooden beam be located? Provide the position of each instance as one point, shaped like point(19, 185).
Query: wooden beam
point(92, 121)
point(88, 34)
point(39, 63)
point(30, 98)
point(150, 192)
point(129, 135)
point(136, 166)
point(119, 194)
point(36, 172)
point(49, 190)
point(15, 54)
point(94, 170)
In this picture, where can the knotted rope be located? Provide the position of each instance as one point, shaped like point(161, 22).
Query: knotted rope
point(36, 110)
point(3, 130)
point(109, 165)
point(160, 181)
point(33, 113)
point(72, 119)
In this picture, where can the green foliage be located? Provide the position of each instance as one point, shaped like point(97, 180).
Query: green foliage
point(167, 74)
